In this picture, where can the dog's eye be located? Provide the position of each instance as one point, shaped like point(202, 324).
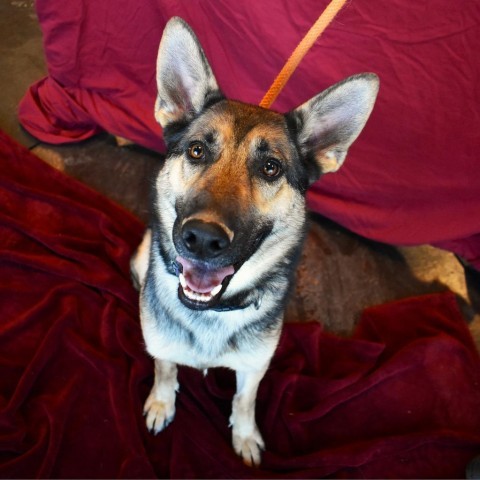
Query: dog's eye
point(272, 168)
point(196, 151)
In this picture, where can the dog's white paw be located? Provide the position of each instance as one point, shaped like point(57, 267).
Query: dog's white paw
point(249, 447)
point(158, 414)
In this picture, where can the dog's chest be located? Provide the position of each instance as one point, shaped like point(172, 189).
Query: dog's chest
point(204, 341)
point(201, 350)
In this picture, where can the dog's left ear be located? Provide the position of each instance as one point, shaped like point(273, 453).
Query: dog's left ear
point(185, 81)
point(330, 122)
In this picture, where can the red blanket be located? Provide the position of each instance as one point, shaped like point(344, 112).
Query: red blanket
point(413, 175)
point(400, 399)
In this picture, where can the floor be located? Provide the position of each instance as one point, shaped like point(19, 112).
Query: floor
point(340, 273)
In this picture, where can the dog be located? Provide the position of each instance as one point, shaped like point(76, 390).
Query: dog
point(228, 221)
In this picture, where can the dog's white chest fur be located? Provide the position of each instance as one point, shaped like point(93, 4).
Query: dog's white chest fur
point(203, 339)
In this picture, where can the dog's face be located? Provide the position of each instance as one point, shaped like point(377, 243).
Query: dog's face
point(230, 199)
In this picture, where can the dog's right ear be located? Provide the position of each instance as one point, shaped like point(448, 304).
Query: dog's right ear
point(185, 81)
point(329, 123)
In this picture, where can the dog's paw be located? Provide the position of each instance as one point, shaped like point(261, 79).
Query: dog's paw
point(249, 447)
point(158, 414)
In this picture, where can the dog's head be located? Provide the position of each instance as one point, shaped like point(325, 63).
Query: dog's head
point(230, 199)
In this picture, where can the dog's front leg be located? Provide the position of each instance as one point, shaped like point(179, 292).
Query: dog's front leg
point(139, 260)
point(247, 441)
point(159, 408)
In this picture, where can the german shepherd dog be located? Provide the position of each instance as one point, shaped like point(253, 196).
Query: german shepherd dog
point(228, 220)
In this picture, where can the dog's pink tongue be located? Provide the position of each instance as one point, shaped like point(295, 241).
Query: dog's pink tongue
point(203, 280)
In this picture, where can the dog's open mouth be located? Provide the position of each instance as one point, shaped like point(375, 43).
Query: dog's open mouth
point(200, 286)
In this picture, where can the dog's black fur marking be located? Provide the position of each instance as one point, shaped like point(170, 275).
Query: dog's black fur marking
point(174, 132)
point(310, 168)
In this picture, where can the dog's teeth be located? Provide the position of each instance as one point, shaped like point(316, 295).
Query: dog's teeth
point(216, 290)
point(198, 297)
point(183, 282)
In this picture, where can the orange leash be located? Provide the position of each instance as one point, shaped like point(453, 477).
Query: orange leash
point(302, 48)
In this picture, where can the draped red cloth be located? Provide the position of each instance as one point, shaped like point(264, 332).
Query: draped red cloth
point(412, 176)
point(398, 400)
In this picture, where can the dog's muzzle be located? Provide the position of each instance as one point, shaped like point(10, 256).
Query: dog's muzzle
point(204, 276)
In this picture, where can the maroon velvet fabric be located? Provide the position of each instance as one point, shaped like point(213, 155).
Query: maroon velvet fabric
point(412, 176)
point(400, 399)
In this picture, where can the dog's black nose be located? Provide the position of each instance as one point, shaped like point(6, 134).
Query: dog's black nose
point(204, 239)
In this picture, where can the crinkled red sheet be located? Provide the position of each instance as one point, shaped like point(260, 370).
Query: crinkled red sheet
point(413, 175)
point(398, 400)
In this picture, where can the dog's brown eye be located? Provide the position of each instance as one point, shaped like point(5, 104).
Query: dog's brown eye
point(271, 168)
point(196, 151)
